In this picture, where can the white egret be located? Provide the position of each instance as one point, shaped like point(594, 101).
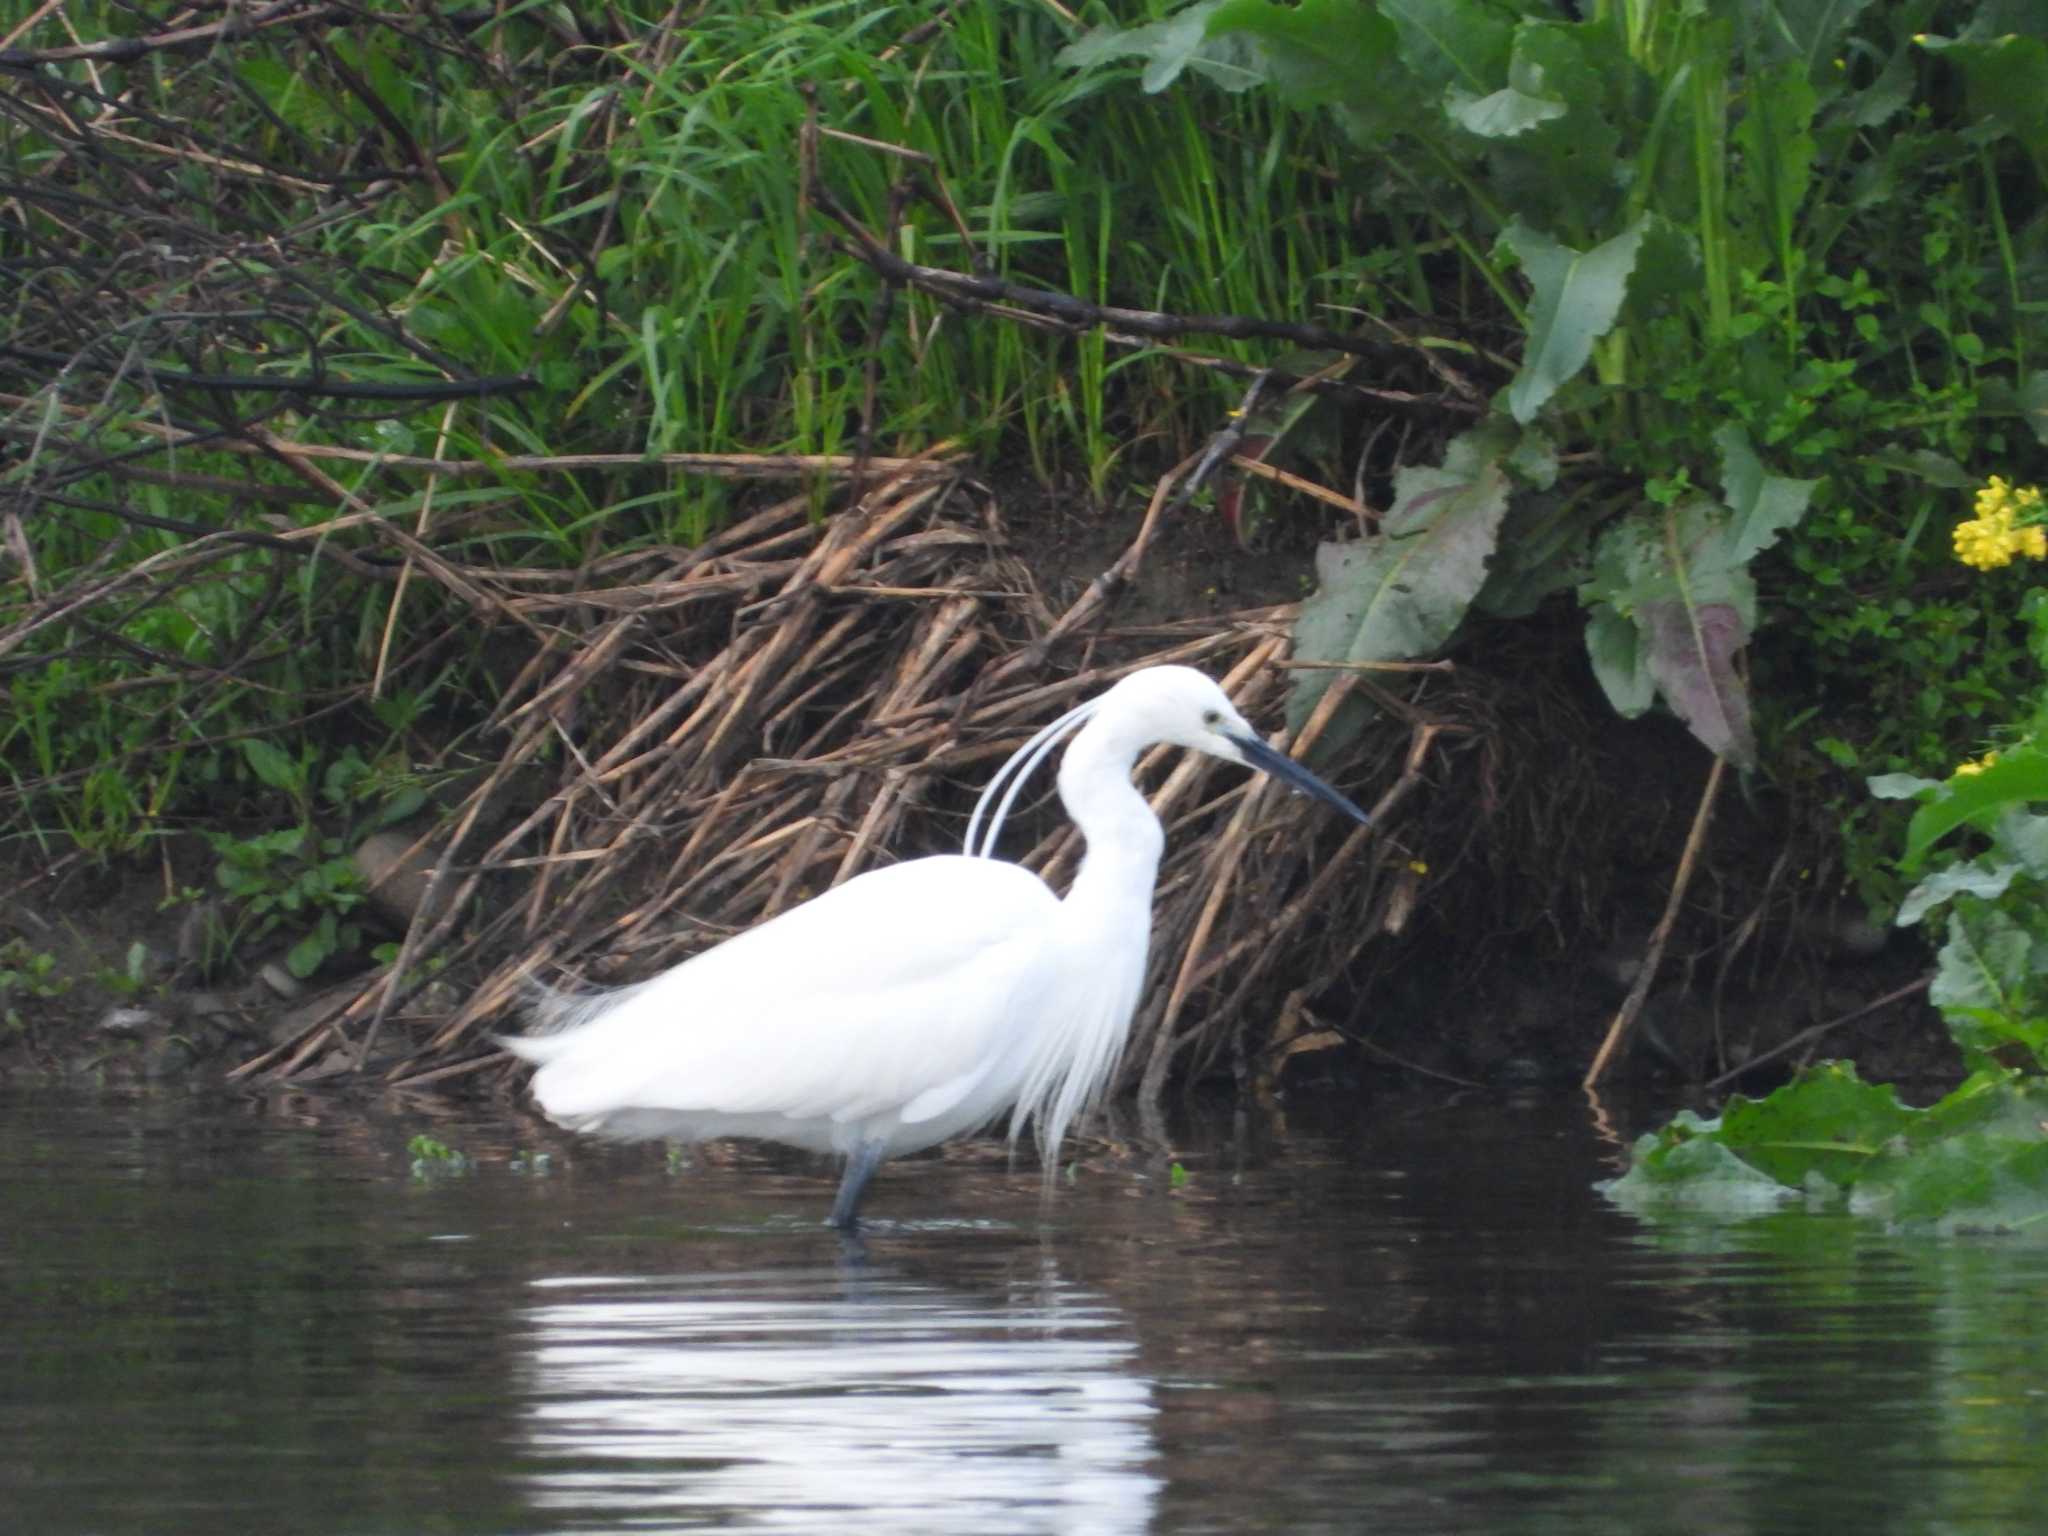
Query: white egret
point(918, 1001)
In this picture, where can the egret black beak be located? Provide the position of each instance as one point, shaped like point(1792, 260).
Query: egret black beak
point(1284, 768)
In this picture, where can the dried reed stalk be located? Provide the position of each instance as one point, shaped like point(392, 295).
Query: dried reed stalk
point(708, 736)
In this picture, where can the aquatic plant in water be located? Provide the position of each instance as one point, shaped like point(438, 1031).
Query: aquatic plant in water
point(435, 1159)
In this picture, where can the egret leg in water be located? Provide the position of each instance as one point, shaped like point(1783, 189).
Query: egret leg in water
point(917, 1002)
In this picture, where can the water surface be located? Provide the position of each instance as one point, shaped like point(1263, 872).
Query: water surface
point(253, 1315)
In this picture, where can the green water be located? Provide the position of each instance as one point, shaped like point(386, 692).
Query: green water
point(252, 1316)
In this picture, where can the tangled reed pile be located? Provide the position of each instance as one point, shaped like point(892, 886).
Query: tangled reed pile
point(700, 738)
point(691, 738)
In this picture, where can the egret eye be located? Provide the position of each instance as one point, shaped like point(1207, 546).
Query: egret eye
point(1212, 718)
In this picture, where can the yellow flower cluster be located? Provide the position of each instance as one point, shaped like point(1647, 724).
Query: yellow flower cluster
point(1966, 770)
point(2007, 525)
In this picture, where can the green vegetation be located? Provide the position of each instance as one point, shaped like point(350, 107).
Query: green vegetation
point(1799, 256)
point(298, 874)
point(1991, 978)
point(1974, 1161)
point(432, 1159)
point(1976, 1158)
point(337, 342)
point(1778, 273)
point(27, 975)
point(611, 221)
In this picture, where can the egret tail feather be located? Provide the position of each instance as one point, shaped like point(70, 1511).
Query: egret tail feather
point(554, 1017)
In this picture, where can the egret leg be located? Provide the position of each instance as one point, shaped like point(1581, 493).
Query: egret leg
point(861, 1164)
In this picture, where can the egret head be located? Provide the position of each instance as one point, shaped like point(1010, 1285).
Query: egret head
point(1186, 708)
point(1176, 705)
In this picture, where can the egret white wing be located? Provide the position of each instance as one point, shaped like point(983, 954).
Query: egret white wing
point(898, 988)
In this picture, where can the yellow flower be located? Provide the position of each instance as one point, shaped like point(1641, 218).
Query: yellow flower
point(1982, 543)
point(2007, 525)
point(1992, 499)
point(1965, 770)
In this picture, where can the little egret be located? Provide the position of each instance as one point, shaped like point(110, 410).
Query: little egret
point(919, 1001)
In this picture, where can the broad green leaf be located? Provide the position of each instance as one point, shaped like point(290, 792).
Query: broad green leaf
point(1765, 505)
point(1615, 647)
point(1694, 1173)
point(1826, 1121)
point(311, 952)
point(1502, 114)
point(1925, 464)
point(273, 766)
point(2019, 777)
point(2028, 401)
point(1562, 172)
point(1183, 41)
point(1977, 1159)
point(1577, 298)
point(284, 92)
point(1777, 148)
point(2032, 399)
point(1812, 29)
point(1533, 459)
point(1576, 63)
point(2024, 836)
point(1329, 53)
point(1545, 543)
point(402, 803)
point(1670, 574)
point(1690, 649)
point(1402, 592)
point(1667, 265)
point(1890, 91)
point(1989, 1034)
point(1983, 965)
point(1980, 1182)
point(2002, 81)
point(1972, 879)
point(1452, 44)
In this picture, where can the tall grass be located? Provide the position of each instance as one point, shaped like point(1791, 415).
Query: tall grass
point(650, 210)
point(611, 204)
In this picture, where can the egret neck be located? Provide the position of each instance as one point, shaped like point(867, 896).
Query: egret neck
point(1124, 838)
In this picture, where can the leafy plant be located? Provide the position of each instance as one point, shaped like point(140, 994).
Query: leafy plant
point(1991, 976)
point(1404, 589)
point(1977, 1157)
point(131, 977)
point(623, 223)
point(27, 974)
point(433, 1159)
point(296, 876)
point(1657, 196)
point(1974, 1160)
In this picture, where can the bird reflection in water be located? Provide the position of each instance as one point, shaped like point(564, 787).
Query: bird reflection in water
point(835, 1400)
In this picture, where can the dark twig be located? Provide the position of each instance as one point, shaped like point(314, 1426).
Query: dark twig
point(1653, 955)
point(1070, 313)
point(126, 50)
point(1807, 1036)
point(334, 389)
